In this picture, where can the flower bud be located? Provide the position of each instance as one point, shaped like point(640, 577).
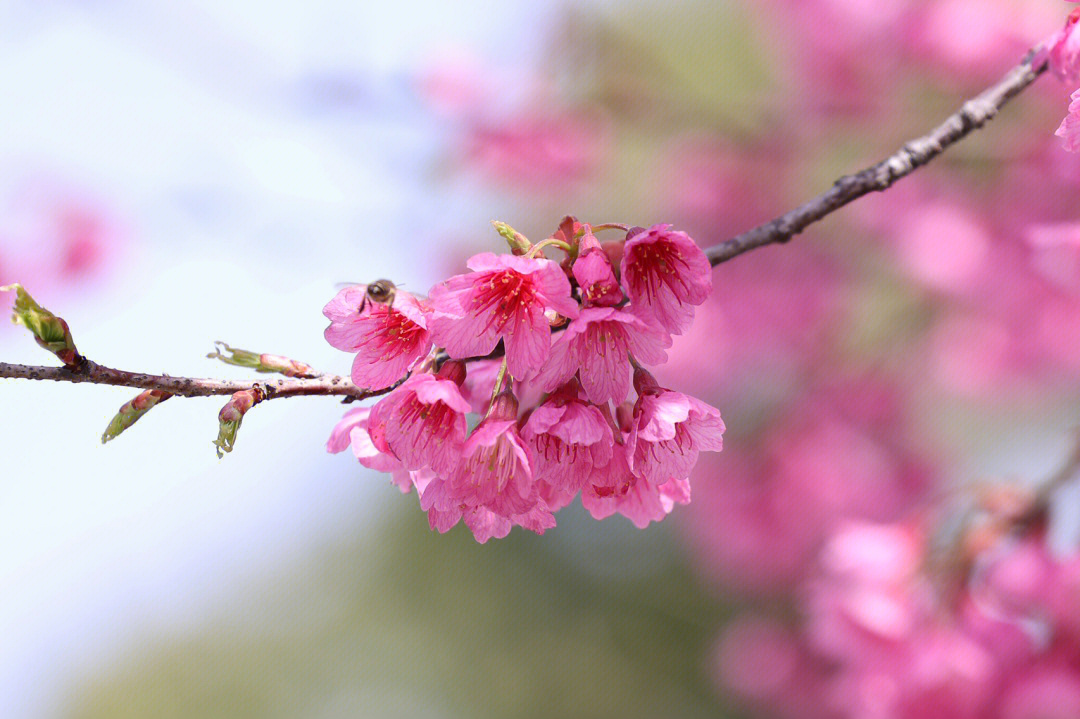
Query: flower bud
point(504, 406)
point(595, 274)
point(452, 370)
point(232, 414)
point(644, 382)
point(131, 411)
point(262, 362)
point(519, 244)
point(50, 331)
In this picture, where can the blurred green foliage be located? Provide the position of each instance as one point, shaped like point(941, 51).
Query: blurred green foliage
point(601, 620)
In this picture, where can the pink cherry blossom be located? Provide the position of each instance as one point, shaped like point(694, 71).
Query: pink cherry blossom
point(647, 501)
point(444, 512)
point(597, 347)
point(878, 619)
point(423, 421)
point(595, 274)
point(341, 435)
point(352, 432)
point(496, 465)
point(669, 429)
point(616, 490)
point(601, 494)
point(1069, 131)
point(388, 340)
point(665, 274)
point(570, 439)
point(504, 298)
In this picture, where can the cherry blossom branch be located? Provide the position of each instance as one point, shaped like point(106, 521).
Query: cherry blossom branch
point(1040, 501)
point(971, 116)
point(52, 333)
point(88, 371)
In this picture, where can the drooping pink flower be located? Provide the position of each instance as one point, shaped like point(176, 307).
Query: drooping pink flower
point(595, 274)
point(617, 490)
point(504, 298)
point(646, 501)
point(389, 340)
point(444, 512)
point(570, 438)
point(1069, 131)
point(495, 470)
point(341, 435)
point(353, 432)
point(423, 421)
point(601, 494)
point(665, 274)
point(668, 431)
point(597, 347)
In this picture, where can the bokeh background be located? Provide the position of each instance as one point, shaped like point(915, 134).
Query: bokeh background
point(172, 175)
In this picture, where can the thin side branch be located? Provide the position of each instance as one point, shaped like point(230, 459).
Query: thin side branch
point(971, 116)
point(324, 385)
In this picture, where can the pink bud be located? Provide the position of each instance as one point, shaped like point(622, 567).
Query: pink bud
point(453, 371)
point(232, 414)
point(504, 406)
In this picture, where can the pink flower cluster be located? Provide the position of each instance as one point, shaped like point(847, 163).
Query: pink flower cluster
point(890, 636)
point(556, 415)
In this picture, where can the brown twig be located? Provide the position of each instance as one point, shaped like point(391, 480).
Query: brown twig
point(325, 385)
point(971, 116)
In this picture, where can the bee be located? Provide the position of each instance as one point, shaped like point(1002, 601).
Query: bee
point(379, 292)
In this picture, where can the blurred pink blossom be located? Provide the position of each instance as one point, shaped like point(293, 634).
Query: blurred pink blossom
point(943, 246)
point(886, 635)
point(537, 148)
point(980, 36)
point(1069, 131)
point(1063, 50)
point(55, 235)
point(763, 512)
